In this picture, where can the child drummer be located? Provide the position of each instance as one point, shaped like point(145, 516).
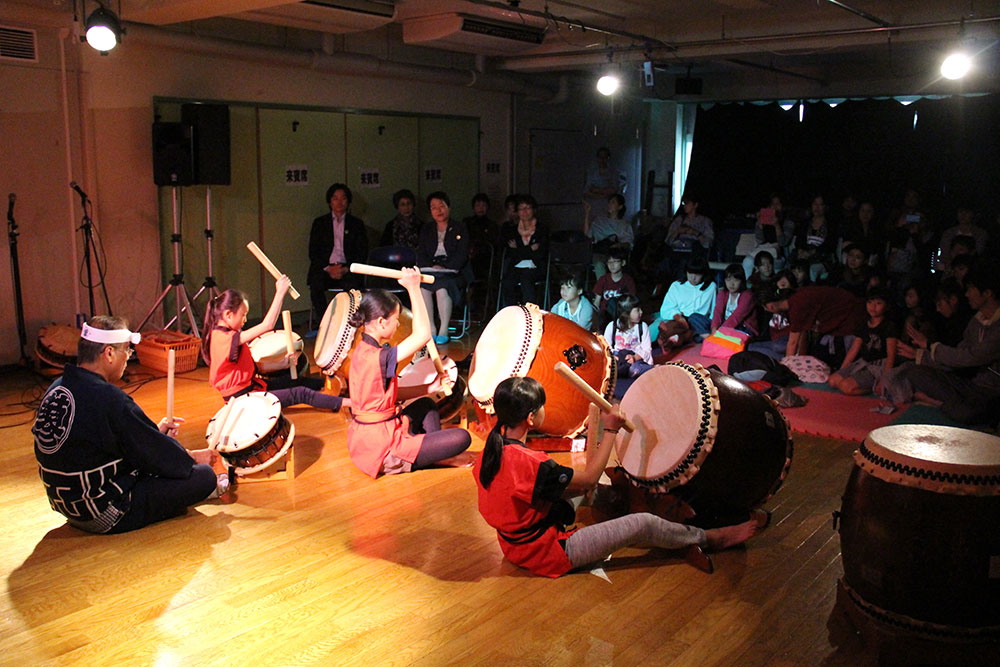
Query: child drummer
point(226, 351)
point(382, 439)
point(521, 495)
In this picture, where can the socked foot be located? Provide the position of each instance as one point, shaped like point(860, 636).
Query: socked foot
point(729, 536)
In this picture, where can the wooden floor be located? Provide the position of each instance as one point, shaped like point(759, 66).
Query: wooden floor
point(333, 568)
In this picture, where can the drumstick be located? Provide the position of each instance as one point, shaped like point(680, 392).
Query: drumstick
point(383, 272)
point(269, 265)
point(581, 385)
point(171, 361)
point(220, 421)
point(286, 317)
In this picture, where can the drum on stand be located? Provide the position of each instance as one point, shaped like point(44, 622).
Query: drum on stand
point(918, 534)
point(269, 352)
point(56, 346)
point(422, 372)
point(250, 432)
point(706, 438)
point(525, 341)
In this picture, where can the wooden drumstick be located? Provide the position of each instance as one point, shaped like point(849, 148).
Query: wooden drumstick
point(581, 385)
point(383, 272)
point(220, 421)
point(286, 317)
point(269, 265)
point(171, 363)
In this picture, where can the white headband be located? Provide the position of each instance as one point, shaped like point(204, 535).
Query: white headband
point(109, 336)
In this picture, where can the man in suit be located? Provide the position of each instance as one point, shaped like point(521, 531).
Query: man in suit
point(337, 239)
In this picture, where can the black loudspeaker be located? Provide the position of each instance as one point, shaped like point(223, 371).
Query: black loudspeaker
point(211, 142)
point(173, 154)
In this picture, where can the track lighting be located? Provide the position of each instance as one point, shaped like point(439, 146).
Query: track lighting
point(102, 29)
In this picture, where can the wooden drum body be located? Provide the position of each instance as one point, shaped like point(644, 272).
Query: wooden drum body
point(250, 432)
point(57, 345)
point(422, 372)
point(918, 532)
point(270, 350)
point(706, 438)
point(524, 341)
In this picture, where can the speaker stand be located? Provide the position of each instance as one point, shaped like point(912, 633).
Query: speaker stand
point(181, 301)
point(208, 285)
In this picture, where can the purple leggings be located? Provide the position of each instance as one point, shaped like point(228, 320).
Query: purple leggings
point(438, 444)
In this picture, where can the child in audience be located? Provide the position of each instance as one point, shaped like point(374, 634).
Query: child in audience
point(629, 338)
point(917, 315)
point(763, 271)
point(855, 273)
point(687, 307)
point(735, 306)
point(800, 270)
point(872, 353)
point(953, 314)
point(775, 336)
point(522, 495)
point(615, 282)
point(231, 368)
point(573, 305)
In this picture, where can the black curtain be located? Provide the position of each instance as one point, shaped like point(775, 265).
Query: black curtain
point(869, 148)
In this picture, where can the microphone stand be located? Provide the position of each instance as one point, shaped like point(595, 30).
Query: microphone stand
point(88, 242)
point(15, 269)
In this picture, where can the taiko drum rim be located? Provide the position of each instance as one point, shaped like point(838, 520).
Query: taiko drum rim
point(967, 463)
point(329, 357)
point(283, 431)
point(270, 360)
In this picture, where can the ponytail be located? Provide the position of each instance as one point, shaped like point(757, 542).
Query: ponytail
point(514, 399)
point(375, 303)
point(231, 299)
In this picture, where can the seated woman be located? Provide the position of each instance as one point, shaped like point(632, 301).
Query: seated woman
point(816, 241)
point(735, 306)
point(443, 251)
point(404, 229)
point(773, 233)
point(526, 245)
point(607, 231)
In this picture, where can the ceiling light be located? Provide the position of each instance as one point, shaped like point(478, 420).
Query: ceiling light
point(907, 100)
point(607, 84)
point(787, 105)
point(834, 101)
point(103, 30)
point(955, 66)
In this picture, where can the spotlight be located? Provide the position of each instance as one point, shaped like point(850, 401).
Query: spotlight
point(955, 66)
point(835, 101)
point(607, 84)
point(907, 100)
point(103, 29)
point(786, 105)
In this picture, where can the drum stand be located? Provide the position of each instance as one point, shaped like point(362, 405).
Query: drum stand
point(209, 283)
point(176, 284)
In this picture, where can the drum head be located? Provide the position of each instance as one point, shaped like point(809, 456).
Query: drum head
point(269, 350)
point(335, 335)
point(243, 421)
point(57, 344)
point(423, 372)
point(675, 410)
point(935, 458)
point(505, 349)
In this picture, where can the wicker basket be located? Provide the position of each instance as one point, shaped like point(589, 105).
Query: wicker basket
point(155, 345)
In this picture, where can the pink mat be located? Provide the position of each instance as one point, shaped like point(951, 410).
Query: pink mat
point(827, 414)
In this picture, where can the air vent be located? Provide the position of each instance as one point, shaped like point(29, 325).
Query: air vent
point(18, 44)
point(502, 30)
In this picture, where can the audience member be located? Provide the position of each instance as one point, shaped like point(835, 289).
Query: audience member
point(686, 311)
point(735, 306)
point(822, 311)
point(573, 305)
point(816, 242)
point(481, 227)
point(773, 232)
point(866, 233)
point(615, 282)
point(690, 235)
point(336, 240)
point(404, 229)
point(855, 273)
point(953, 313)
point(774, 341)
point(603, 180)
point(607, 231)
point(444, 248)
point(629, 338)
point(526, 244)
point(965, 229)
point(964, 379)
point(872, 352)
point(763, 272)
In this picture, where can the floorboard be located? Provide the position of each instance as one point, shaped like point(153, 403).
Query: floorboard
point(335, 568)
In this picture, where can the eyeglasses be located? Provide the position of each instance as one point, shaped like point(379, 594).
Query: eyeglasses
point(129, 351)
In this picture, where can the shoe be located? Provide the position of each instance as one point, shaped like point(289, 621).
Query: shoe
point(441, 340)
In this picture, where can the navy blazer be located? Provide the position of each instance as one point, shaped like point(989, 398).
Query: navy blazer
point(456, 245)
point(321, 243)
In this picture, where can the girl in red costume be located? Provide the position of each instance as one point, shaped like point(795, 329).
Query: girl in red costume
point(231, 368)
point(521, 496)
point(382, 438)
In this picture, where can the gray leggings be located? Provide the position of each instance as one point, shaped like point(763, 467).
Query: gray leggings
point(593, 543)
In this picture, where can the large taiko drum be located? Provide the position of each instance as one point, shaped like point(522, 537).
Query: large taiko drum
point(705, 437)
point(270, 350)
point(422, 372)
point(336, 338)
point(918, 532)
point(57, 346)
point(525, 341)
point(250, 432)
